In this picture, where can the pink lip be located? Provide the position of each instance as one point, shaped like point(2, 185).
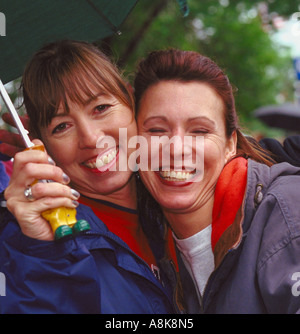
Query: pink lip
point(172, 183)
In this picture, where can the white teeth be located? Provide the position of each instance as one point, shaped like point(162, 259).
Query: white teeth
point(178, 176)
point(103, 160)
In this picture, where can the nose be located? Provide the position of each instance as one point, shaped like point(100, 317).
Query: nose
point(188, 150)
point(178, 142)
point(173, 148)
point(88, 134)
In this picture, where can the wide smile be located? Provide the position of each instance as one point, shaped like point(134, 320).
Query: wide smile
point(176, 178)
point(102, 162)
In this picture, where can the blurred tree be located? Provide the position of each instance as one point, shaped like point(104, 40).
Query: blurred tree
point(235, 33)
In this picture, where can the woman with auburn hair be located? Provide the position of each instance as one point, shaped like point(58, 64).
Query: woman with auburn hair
point(236, 222)
point(75, 97)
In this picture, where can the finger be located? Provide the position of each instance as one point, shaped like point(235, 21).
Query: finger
point(38, 142)
point(30, 156)
point(30, 166)
point(7, 118)
point(40, 230)
point(47, 203)
point(9, 150)
point(37, 171)
point(36, 153)
point(11, 138)
point(30, 211)
point(53, 189)
point(39, 227)
point(31, 222)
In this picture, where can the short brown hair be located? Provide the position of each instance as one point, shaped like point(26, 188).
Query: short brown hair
point(68, 69)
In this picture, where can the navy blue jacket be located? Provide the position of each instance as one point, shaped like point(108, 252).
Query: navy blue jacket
point(93, 273)
point(4, 178)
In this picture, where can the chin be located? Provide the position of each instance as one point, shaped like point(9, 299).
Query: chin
point(176, 203)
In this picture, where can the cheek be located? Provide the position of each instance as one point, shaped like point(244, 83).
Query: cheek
point(125, 119)
point(131, 130)
point(57, 151)
point(214, 153)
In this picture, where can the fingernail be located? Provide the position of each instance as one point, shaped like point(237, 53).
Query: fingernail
point(75, 203)
point(75, 193)
point(66, 178)
point(51, 161)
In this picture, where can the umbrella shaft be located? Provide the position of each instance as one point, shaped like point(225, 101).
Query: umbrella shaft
point(23, 132)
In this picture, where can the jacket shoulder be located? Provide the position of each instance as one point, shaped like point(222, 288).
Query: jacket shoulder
point(286, 192)
point(279, 216)
point(271, 205)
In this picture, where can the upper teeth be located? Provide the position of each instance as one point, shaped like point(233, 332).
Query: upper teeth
point(103, 160)
point(176, 175)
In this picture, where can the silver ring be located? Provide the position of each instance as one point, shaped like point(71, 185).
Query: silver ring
point(28, 194)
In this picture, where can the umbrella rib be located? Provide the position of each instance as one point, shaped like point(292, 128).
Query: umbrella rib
point(112, 26)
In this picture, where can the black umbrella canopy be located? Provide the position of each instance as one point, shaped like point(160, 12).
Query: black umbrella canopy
point(32, 23)
point(285, 116)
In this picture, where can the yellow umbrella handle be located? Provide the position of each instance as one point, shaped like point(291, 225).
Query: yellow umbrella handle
point(62, 220)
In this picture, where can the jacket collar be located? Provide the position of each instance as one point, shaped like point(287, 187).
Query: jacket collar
point(259, 179)
point(228, 209)
point(241, 188)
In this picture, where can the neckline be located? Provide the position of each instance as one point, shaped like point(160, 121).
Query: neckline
point(112, 205)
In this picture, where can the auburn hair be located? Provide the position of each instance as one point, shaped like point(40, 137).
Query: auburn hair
point(189, 66)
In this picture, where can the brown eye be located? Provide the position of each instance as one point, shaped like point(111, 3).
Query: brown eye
point(59, 128)
point(102, 108)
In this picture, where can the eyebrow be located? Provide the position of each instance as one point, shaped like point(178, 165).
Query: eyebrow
point(191, 119)
point(92, 98)
point(85, 103)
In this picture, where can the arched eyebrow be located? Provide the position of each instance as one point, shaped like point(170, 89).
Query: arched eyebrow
point(191, 119)
point(93, 98)
point(202, 119)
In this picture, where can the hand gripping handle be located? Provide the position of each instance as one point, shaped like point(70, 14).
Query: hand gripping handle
point(62, 220)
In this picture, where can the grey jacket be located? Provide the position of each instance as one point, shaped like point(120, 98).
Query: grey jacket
point(259, 272)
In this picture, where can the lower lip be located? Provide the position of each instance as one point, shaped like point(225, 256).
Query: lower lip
point(103, 169)
point(172, 183)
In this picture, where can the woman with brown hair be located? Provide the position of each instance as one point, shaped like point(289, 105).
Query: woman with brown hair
point(235, 220)
point(75, 97)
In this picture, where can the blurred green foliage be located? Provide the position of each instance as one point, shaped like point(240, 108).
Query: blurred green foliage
point(235, 33)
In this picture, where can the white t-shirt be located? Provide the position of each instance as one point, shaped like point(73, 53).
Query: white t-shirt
point(198, 257)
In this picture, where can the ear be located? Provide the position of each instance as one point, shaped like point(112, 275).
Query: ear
point(231, 147)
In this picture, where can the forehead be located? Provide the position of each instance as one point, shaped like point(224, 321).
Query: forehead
point(181, 100)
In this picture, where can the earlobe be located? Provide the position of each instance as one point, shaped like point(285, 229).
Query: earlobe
point(231, 147)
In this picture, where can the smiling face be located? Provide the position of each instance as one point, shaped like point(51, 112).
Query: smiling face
point(75, 98)
point(172, 108)
point(71, 140)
